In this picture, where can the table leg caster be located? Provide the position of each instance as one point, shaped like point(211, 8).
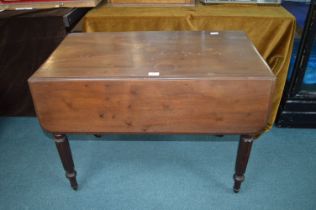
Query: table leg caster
point(238, 181)
point(72, 180)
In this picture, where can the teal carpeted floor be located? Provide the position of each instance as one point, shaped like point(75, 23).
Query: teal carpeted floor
point(189, 172)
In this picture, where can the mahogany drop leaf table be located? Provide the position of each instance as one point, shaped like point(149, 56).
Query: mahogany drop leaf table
point(154, 82)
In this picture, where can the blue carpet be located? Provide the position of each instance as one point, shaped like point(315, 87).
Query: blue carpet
point(194, 173)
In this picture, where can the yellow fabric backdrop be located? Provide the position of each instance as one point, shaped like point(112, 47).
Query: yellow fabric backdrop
point(271, 28)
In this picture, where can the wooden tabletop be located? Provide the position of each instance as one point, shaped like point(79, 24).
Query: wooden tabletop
point(200, 54)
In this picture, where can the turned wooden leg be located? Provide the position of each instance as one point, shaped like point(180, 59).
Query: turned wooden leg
point(64, 151)
point(243, 154)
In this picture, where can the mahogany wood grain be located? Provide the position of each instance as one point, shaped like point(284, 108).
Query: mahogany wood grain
point(99, 83)
point(173, 54)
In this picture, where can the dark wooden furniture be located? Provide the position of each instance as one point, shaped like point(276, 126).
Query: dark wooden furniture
point(45, 4)
point(298, 105)
point(27, 38)
point(154, 82)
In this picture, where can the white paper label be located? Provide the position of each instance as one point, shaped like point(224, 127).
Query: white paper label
point(214, 33)
point(153, 74)
point(24, 8)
